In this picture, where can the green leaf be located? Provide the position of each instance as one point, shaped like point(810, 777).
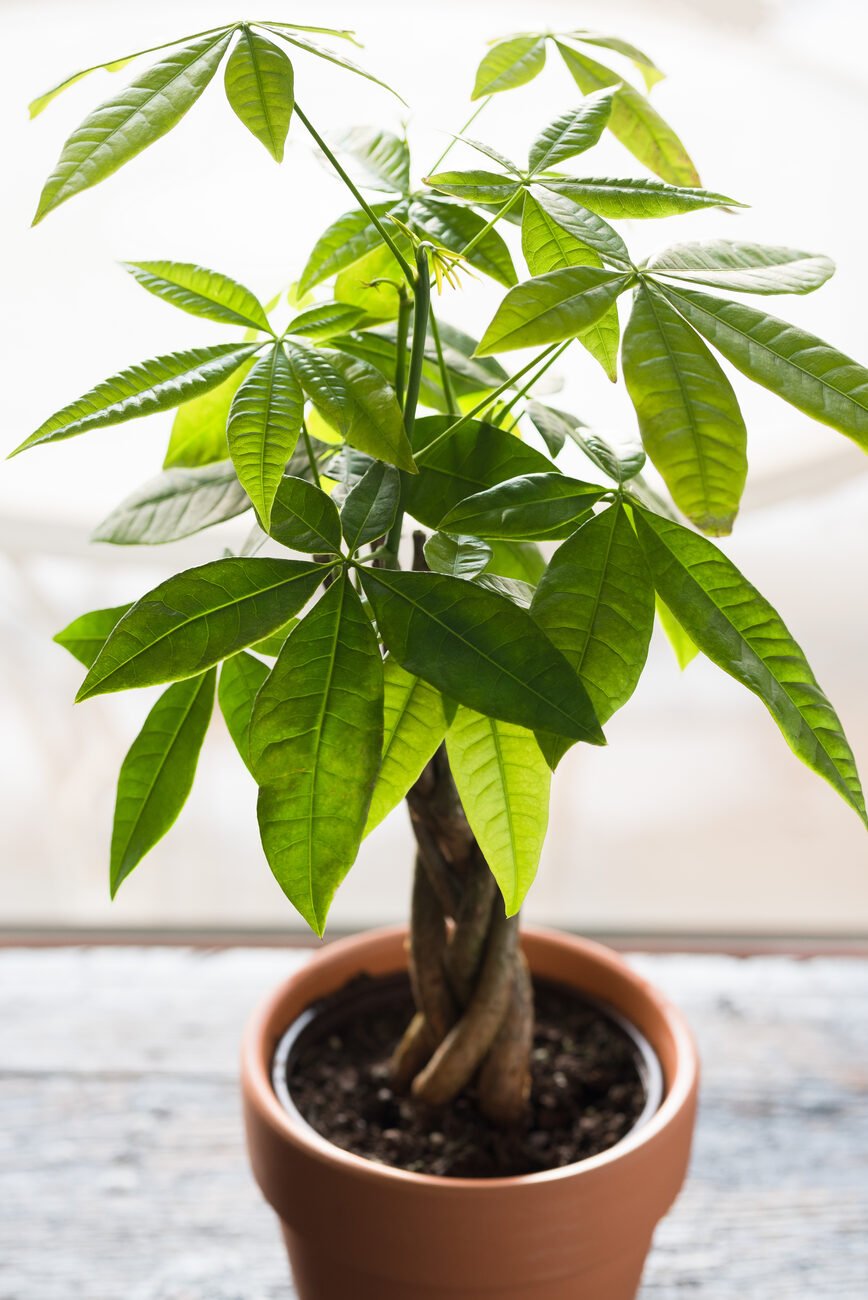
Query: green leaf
point(384, 158)
point(198, 617)
point(201, 292)
point(638, 126)
point(259, 87)
point(534, 507)
point(342, 244)
point(86, 635)
point(356, 401)
point(745, 268)
point(157, 774)
point(304, 518)
point(584, 225)
point(508, 64)
point(643, 63)
point(739, 630)
point(198, 434)
point(548, 247)
point(316, 736)
point(460, 556)
point(688, 414)
point(372, 283)
point(273, 643)
point(802, 369)
point(323, 322)
point(503, 782)
point(552, 307)
point(126, 124)
point(175, 504)
point(596, 603)
point(573, 132)
point(637, 197)
point(478, 648)
point(684, 649)
point(241, 676)
point(155, 385)
point(475, 457)
point(36, 106)
point(520, 593)
point(416, 718)
point(475, 186)
point(455, 227)
point(519, 561)
point(371, 507)
point(264, 426)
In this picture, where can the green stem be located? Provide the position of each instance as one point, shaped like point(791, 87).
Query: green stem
point(448, 391)
point(311, 454)
point(421, 309)
point(487, 401)
point(501, 212)
point(357, 195)
point(525, 388)
point(401, 342)
point(450, 146)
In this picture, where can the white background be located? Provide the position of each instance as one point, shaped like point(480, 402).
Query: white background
point(696, 818)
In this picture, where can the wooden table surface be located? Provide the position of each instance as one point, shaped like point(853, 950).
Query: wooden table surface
point(123, 1174)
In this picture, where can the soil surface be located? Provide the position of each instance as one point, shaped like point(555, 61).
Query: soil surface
point(587, 1090)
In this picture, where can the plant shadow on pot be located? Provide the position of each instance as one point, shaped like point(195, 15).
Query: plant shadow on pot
point(360, 1227)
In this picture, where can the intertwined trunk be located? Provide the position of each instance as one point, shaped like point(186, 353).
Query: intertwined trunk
point(473, 994)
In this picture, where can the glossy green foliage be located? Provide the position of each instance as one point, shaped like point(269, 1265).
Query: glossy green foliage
point(86, 635)
point(475, 457)
point(460, 556)
point(547, 246)
point(634, 121)
point(241, 677)
point(198, 434)
point(381, 159)
point(342, 244)
point(201, 292)
point(799, 367)
point(157, 774)
point(155, 385)
point(742, 267)
point(595, 601)
point(324, 322)
point(371, 506)
point(534, 507)
point(552, 307)
point(479, 649)
point(199, 617)
point(264, 425)
point(689, 416)
point(416, 718)
point(572, 133)
point(683, 648)
point(304, 518)
point(503, 782)
point(356, 401)
point(316, 737)
point(260, 87)
point(456, 227)
point(739, 630)
point(175, 504)
point(637, 197)
point(510, 63)
point(126, 124)
point(582, 224)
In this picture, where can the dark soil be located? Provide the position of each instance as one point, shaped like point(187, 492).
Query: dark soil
point(587, 1089)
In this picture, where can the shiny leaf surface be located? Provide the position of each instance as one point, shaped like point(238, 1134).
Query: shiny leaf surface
point(371, 506)
point(175, 504)
point(86, 635)
point(264, 426)
point(241, 676)
point(552, 307)
point(573, 132)
point(199, 617)
point(510, 63)
point(744, 268)
point(157, 774)
point(534, 507)
point(201, 292)
point(304, 518)
point(259, 87)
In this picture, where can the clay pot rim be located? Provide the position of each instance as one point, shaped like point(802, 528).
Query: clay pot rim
point(256, 1071)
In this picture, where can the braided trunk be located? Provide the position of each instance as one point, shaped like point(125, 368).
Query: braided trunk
point(472, 989)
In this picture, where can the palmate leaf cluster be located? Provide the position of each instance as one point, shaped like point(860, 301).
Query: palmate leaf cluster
point(338, 672)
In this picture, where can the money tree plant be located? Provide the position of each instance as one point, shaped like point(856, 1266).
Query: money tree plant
point(392, 628)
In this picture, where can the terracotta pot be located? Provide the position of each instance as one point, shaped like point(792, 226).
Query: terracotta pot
point(356, 1230)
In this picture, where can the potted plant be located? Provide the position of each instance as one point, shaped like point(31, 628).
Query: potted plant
point(420, 1131)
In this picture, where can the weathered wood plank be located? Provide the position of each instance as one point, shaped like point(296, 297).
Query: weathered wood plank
point(122, 1170)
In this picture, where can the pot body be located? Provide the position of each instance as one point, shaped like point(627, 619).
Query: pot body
point(356, 1229)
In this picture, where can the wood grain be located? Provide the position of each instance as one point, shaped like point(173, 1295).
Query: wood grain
point(123, 1174)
